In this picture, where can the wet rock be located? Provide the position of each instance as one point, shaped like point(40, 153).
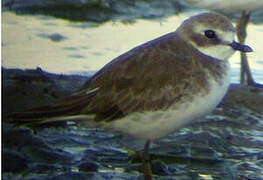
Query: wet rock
point(260, 163)
point(96, 10)
point(244, 96)
point(105, 155)
point(48, 156)
point(21, 138)
point(27, 88)
point(13, 162)
point(114, 159)
point(35, 148)
point(89, 166)
point(205, 154)
point(93, 154)
point(72, 176)
point(159, 167)
point(27, 75)
point(248, 167)
point(239, 154)
point(134, 168)
point(46, 168)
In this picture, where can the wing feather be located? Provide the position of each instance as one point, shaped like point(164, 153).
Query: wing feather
point(143, 79)
point(150, 77)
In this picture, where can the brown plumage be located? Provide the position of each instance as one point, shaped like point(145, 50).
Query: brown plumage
point(163, 73)
point(149, 77)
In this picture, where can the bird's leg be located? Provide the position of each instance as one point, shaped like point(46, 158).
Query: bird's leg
point(245, 75)
point(146, 166)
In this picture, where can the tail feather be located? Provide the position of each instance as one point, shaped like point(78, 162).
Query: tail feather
point(67, 109)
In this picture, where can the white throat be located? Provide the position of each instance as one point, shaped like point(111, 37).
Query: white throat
point(221, 52)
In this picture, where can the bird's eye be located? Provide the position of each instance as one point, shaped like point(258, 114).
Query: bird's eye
point(210, 34)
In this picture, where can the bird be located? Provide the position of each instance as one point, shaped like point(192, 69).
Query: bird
point(157, 87)
point(231, 8)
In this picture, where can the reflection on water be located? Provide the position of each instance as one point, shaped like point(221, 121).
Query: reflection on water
point(60, 46)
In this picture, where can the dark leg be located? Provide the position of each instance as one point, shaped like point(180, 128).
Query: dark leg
point(245, 74)
point(146, 166)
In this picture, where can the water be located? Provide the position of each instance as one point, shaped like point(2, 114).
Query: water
point(60, 46)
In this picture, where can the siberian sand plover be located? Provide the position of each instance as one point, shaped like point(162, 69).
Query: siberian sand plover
point(157, 87)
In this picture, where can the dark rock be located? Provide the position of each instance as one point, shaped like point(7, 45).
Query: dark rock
point(24, 89)
point(159, 167)
point(48, 156)
point(134, 168)
point(244, 96)
point(114, 159)
point(46, 168)
point(260, 162)
point(72, 176)
point(248, 167)
point(205, 154)
point(13, 162)
point(21, 138)
point(89, 166)
point(96, 10)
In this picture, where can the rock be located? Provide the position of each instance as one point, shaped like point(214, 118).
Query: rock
point(46, 168)
point(244, 96)
point(13, 162)
point(51, 156)
point(159, 167)
point(96, 10)
point(28, 88)
point(72, 176)
point(21, 138)
point(88, 166)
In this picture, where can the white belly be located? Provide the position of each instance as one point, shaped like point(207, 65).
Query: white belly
point(156, 124)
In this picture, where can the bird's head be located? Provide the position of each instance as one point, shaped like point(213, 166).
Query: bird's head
point(212, 34)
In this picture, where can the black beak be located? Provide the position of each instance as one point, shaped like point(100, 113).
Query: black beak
point(243, 48)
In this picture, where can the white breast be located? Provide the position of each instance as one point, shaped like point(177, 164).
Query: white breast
point(156, 124)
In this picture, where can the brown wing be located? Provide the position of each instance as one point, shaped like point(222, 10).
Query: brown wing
point(149, 77)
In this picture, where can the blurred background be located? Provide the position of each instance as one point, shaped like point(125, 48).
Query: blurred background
point(81, 36)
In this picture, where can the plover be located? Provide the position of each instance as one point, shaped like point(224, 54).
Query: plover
point(157, 87)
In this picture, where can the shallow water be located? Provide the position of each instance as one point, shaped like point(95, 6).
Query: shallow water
point(60, 46)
